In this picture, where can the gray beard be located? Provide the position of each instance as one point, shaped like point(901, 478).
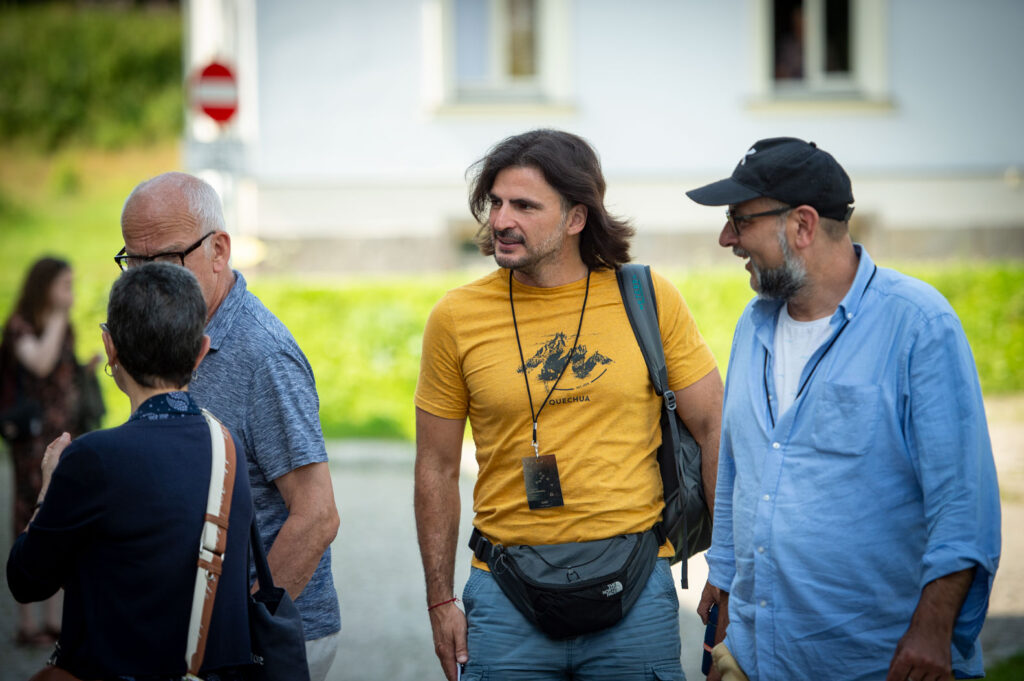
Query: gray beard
point(782, 282)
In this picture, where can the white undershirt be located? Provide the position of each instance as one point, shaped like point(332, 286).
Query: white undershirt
point(795, 342)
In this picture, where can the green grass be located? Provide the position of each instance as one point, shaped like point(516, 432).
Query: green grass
point(1010, 669)
point(362, 336)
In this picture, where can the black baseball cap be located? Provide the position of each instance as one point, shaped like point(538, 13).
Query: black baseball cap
point(786, 169)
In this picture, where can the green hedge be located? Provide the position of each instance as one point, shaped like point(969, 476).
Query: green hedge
point(363, 338)
point(91, 74)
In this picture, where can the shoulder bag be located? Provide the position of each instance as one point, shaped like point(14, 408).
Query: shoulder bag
point(90, 399)
point(275, 624)
point(21, 417)
point(213, 542)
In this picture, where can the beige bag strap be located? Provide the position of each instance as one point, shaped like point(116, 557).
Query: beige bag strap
point(212, 542)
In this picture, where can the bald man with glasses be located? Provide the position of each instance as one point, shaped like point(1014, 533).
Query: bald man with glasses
point(258, 382)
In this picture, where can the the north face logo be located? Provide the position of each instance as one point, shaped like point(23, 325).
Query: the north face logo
point(612, 589)
point(750, 152)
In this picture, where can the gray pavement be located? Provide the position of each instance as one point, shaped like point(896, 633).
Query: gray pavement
point(385, 630)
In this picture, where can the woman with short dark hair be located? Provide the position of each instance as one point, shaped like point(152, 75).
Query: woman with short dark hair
point(119, 518)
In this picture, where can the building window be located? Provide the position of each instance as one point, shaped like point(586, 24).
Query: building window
point(489, 56)
point(823, 49)
point(495, 44)
point(811, 43)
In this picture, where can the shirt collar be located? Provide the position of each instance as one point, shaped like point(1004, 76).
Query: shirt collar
point(166, 405)
point(765, 312)
point(218, 327)
point(849, 306)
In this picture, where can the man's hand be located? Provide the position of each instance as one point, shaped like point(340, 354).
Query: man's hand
point(714, 595)
point(708, 597)
point(448, 623)
point(310, 527)
point(437, 505)
point(923, 653)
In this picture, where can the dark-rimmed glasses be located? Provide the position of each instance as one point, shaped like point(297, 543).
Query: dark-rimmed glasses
point(125, 261)
point(736, 220)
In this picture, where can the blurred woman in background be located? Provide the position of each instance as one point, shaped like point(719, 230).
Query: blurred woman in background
point(37, 365)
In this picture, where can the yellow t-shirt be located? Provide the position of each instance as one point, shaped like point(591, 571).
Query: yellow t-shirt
point(601, 421)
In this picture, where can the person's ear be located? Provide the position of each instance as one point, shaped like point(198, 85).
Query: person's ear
point(108, 347)
point(577, 219)
point(807, 223)
point(203, 349)
point(221, 251)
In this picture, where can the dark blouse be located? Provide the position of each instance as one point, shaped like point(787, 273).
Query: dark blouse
point(119, 531)
point(56, 392)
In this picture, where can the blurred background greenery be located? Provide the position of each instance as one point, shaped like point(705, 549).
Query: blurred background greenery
point(80, 126)
point(362, 334)
point(116, 79)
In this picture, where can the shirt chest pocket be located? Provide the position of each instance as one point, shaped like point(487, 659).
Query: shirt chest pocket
point(845, 418)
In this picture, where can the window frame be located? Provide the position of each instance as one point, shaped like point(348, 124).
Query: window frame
point(499, 84)
point(547, 92)
point(866, 84)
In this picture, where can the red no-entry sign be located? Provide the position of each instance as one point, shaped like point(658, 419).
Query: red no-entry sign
point(215, 92)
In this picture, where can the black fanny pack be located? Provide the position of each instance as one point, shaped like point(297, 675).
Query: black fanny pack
point(576, 588)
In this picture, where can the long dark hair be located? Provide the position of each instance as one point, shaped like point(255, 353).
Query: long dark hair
point(34, 298)
point(570, 165)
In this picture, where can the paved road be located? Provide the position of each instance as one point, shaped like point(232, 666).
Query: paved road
point(386, 635)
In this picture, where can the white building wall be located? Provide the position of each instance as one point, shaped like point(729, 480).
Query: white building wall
point(350, 141)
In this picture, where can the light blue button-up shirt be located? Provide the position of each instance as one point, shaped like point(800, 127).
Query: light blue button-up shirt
point(832, 516)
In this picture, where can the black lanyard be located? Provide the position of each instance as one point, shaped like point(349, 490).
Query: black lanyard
point(807, 380)
point(522, 360)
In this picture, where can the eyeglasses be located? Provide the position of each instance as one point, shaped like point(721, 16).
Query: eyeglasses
point(736, 220)
point(125, 261)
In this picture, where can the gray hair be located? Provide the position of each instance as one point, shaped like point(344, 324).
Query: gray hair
point(201, 199)
point(156, 317)
point(204, 204)
point(834, 229)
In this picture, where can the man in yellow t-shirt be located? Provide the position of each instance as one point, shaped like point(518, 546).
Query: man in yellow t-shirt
point(541, 357)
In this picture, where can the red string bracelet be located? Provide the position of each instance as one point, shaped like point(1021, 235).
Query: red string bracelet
point(453, 599)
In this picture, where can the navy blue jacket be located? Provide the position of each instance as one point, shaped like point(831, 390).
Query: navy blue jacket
point(119, 531)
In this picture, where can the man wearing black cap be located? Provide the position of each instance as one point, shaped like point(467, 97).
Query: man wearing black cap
point(857, 518)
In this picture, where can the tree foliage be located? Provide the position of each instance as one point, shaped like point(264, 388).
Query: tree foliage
point(95, 75)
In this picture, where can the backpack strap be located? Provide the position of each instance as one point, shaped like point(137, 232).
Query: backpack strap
point(637, 288)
